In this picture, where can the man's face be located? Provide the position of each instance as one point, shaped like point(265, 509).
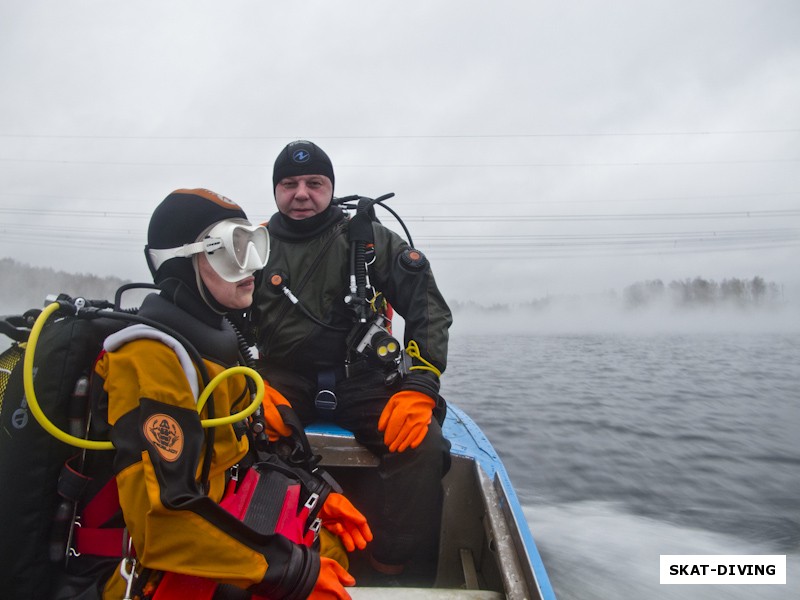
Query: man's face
point(303, 196)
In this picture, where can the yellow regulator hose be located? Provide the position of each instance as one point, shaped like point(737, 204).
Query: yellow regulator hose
point(47, 424)
point(241, 415)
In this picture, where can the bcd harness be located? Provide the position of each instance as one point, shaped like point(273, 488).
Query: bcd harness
point(369, 341)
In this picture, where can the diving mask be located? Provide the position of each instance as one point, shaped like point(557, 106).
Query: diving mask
point(235, 249)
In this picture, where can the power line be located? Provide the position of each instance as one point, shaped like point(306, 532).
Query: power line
point(584, 164)
point(740, 214)
point(778, 232)
point(465, 247)
point(636, 200)
point(685, 243)
point(408, 136)
point(77, 213)
point(590, 248)
point(462, 254)
point(97, 163)
point(561, 253)
point(26, 230)
point(461, 202)
point(108, 163)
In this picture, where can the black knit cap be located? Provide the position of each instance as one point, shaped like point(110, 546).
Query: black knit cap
point(180, 219)
point(301, 158)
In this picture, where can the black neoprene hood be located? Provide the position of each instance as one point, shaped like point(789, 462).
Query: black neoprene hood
point(302, 158)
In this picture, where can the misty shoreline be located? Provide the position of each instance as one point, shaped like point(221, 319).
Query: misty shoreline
point(586, 316)
point(695, 304)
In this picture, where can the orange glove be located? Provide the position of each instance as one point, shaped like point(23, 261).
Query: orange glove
point(405, 420)
point(276, 428)
point(331, 581)
point(339, 516)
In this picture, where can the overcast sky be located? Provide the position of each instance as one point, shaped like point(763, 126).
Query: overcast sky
point(534, 147)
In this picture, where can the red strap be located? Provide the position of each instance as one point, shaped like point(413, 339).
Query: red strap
point(291, 523)
point(100, 542)
point(90, 537)
point(103, 506)
point(237, 502)
point(177, 586)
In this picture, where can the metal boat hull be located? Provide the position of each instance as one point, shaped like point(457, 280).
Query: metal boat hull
point(486, 549)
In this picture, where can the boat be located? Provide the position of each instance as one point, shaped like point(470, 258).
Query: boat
point(486, 549)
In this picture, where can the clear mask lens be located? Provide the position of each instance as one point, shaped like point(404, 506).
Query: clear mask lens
point(236, 249)
point(250, 245)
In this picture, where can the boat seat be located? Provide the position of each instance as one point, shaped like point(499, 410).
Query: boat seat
point(338, 447)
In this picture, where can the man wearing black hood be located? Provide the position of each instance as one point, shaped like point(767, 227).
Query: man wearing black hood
point(203, 254)
point(304, 331)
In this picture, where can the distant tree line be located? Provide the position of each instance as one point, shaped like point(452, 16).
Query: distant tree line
point(27, 287)
point(742, 293)
point(684, 294)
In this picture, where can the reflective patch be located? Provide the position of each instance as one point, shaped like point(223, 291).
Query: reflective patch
point(165, 435)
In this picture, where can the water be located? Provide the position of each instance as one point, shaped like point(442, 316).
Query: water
point(623, 447)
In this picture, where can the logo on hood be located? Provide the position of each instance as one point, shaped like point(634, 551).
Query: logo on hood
point(301, 156)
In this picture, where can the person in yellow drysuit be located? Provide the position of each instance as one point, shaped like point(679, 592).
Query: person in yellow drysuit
point(203, 254)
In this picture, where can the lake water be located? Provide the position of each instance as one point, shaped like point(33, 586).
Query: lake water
point(626, 446)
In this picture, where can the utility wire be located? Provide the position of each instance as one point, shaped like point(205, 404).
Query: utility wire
point(408, 136)
point(470, 247)
point(741, 214)
point(80, 213)
point(406, 201)
point(96, 163)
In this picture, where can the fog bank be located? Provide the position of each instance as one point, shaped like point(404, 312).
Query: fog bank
point(598, 315)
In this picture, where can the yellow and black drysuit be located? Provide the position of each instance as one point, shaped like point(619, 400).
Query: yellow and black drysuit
point(175, 524)
point(299, 357)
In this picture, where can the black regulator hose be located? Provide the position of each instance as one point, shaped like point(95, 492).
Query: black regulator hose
point(279, 280)
point(360, 270)
point(258, 424)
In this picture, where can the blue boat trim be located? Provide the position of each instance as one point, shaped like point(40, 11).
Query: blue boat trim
point(468, 440)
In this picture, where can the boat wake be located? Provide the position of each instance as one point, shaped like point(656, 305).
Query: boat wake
point(594, 550)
